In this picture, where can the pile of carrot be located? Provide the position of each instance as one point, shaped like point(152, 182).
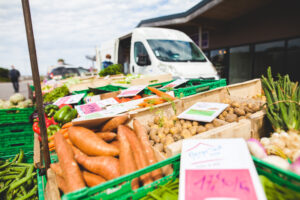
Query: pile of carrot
point(162, 98)
point(89, 158)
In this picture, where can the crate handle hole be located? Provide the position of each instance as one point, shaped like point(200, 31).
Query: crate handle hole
point(15, 145)
point(12, 111)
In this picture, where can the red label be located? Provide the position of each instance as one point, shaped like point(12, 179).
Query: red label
point(90, 108)
point(218, 183)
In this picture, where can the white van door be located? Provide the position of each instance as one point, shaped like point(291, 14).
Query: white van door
point(140, 59)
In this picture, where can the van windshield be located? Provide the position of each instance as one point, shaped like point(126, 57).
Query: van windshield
point(176, 51)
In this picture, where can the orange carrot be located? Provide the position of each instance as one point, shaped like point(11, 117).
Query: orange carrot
point(113, 123)
point(127, 163)
point(89, 143)
point(161, 94)
point(56, 168)
point(154, 101)
point(106, 136)
point(105, 166)
point(67, 125)
point(71, 172)
point(142, 134)
point(138, 153)
point(61, 183)
point(116, 143)
point(92, 179)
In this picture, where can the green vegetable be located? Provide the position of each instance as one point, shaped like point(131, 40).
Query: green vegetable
point(169, 191)
point(283, 102)
point(65, 114)
point(56, 94)
point(111, 70)
point(52, 129)
point(16, 179)
point(51, 109)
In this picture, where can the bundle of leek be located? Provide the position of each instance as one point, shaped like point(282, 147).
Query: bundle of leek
point(283, 102)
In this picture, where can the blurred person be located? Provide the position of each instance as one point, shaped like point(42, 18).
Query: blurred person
point(107, 62)
point(14, 75)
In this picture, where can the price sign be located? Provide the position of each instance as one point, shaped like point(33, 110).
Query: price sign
point(132, 91)
point(175, 83)
point(215, 169)
point(72, 99)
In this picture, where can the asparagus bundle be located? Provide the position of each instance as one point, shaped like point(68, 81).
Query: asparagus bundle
point(283, 102)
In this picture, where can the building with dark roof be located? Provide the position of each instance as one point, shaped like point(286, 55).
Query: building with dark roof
point(242, 37)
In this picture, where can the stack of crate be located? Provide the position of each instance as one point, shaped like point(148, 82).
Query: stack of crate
point(16, 132)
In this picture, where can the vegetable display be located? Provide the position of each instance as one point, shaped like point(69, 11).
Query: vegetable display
point(56, 94)
point(102, 156)
point(65, 114)
point(16, 101)
point(51, 109)
point(283, 102)
point(17, 179)
point(111, 70)
point(167, 130)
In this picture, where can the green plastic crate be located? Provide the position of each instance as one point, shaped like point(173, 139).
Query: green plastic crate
point(15, 137)
point(41, 181)
point(278, 183)
point(190, 89)
point(108, 88)
point(113, 190)
point(15, 115)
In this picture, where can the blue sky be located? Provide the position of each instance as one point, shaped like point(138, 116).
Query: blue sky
point(71, 29)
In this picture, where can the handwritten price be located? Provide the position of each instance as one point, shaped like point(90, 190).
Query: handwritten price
point(229, 183)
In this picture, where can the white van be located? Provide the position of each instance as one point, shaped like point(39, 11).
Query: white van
point(158, 51)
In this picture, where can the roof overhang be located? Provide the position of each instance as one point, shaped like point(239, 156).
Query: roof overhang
point(207, 10)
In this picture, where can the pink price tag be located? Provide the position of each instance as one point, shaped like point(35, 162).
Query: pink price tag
point(90, 108)
point(218, 183)
point(63, 100)
point(130, 92)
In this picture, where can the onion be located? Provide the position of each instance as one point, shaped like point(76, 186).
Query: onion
point(295, 167)
point(277, 161)
point(256, 148)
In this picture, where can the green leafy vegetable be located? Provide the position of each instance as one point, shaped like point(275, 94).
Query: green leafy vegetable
point(56, 94)
point(111, 70)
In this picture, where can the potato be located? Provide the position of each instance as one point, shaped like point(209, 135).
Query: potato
point(159, 146)
point(218, 122)
point(254, 107)
point(169, 140)
point(174, 118)
point(184, 126)
point(230, 111)
point(241, 117)
point(163, 140)
point(153, 133)
point(224, 113)
point(161, 135)
point(231, 118)
point(174, 130)
point(189, 124)
point(248, 115)
point(177, 137)
point(186, 133)
point(201, 129)
point(247, 109)
point(209, 126)
point(235, 104)
point(166, 130)
point(221, 117)
point(193, 130)
point(156, 139)
point(239, 111)
point(152, 142)
point(150, 124)
point(156, 119)
point(182, 121)
point(155, 126)
point(169, 124)
point(195, 123)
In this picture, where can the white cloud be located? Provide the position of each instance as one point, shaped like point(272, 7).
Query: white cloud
point(71, 29)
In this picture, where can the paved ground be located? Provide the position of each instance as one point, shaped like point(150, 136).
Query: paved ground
point(6, 89)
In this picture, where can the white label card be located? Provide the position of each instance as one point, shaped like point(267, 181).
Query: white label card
point(175, 83)
point(203, 111)
point(132, 91)
point(72, 99)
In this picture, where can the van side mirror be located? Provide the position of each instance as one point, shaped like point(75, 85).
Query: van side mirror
point(143, 60)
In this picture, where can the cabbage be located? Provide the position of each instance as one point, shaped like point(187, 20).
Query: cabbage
point(16, 98)
point(28, 103)
point(7, 105)
point(22, 104)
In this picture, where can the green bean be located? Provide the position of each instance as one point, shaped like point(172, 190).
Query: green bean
point(29, 194)
point(8, 177)
point(29, 172)
point(21, 156)
point(4, 172)
point(20, 182)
